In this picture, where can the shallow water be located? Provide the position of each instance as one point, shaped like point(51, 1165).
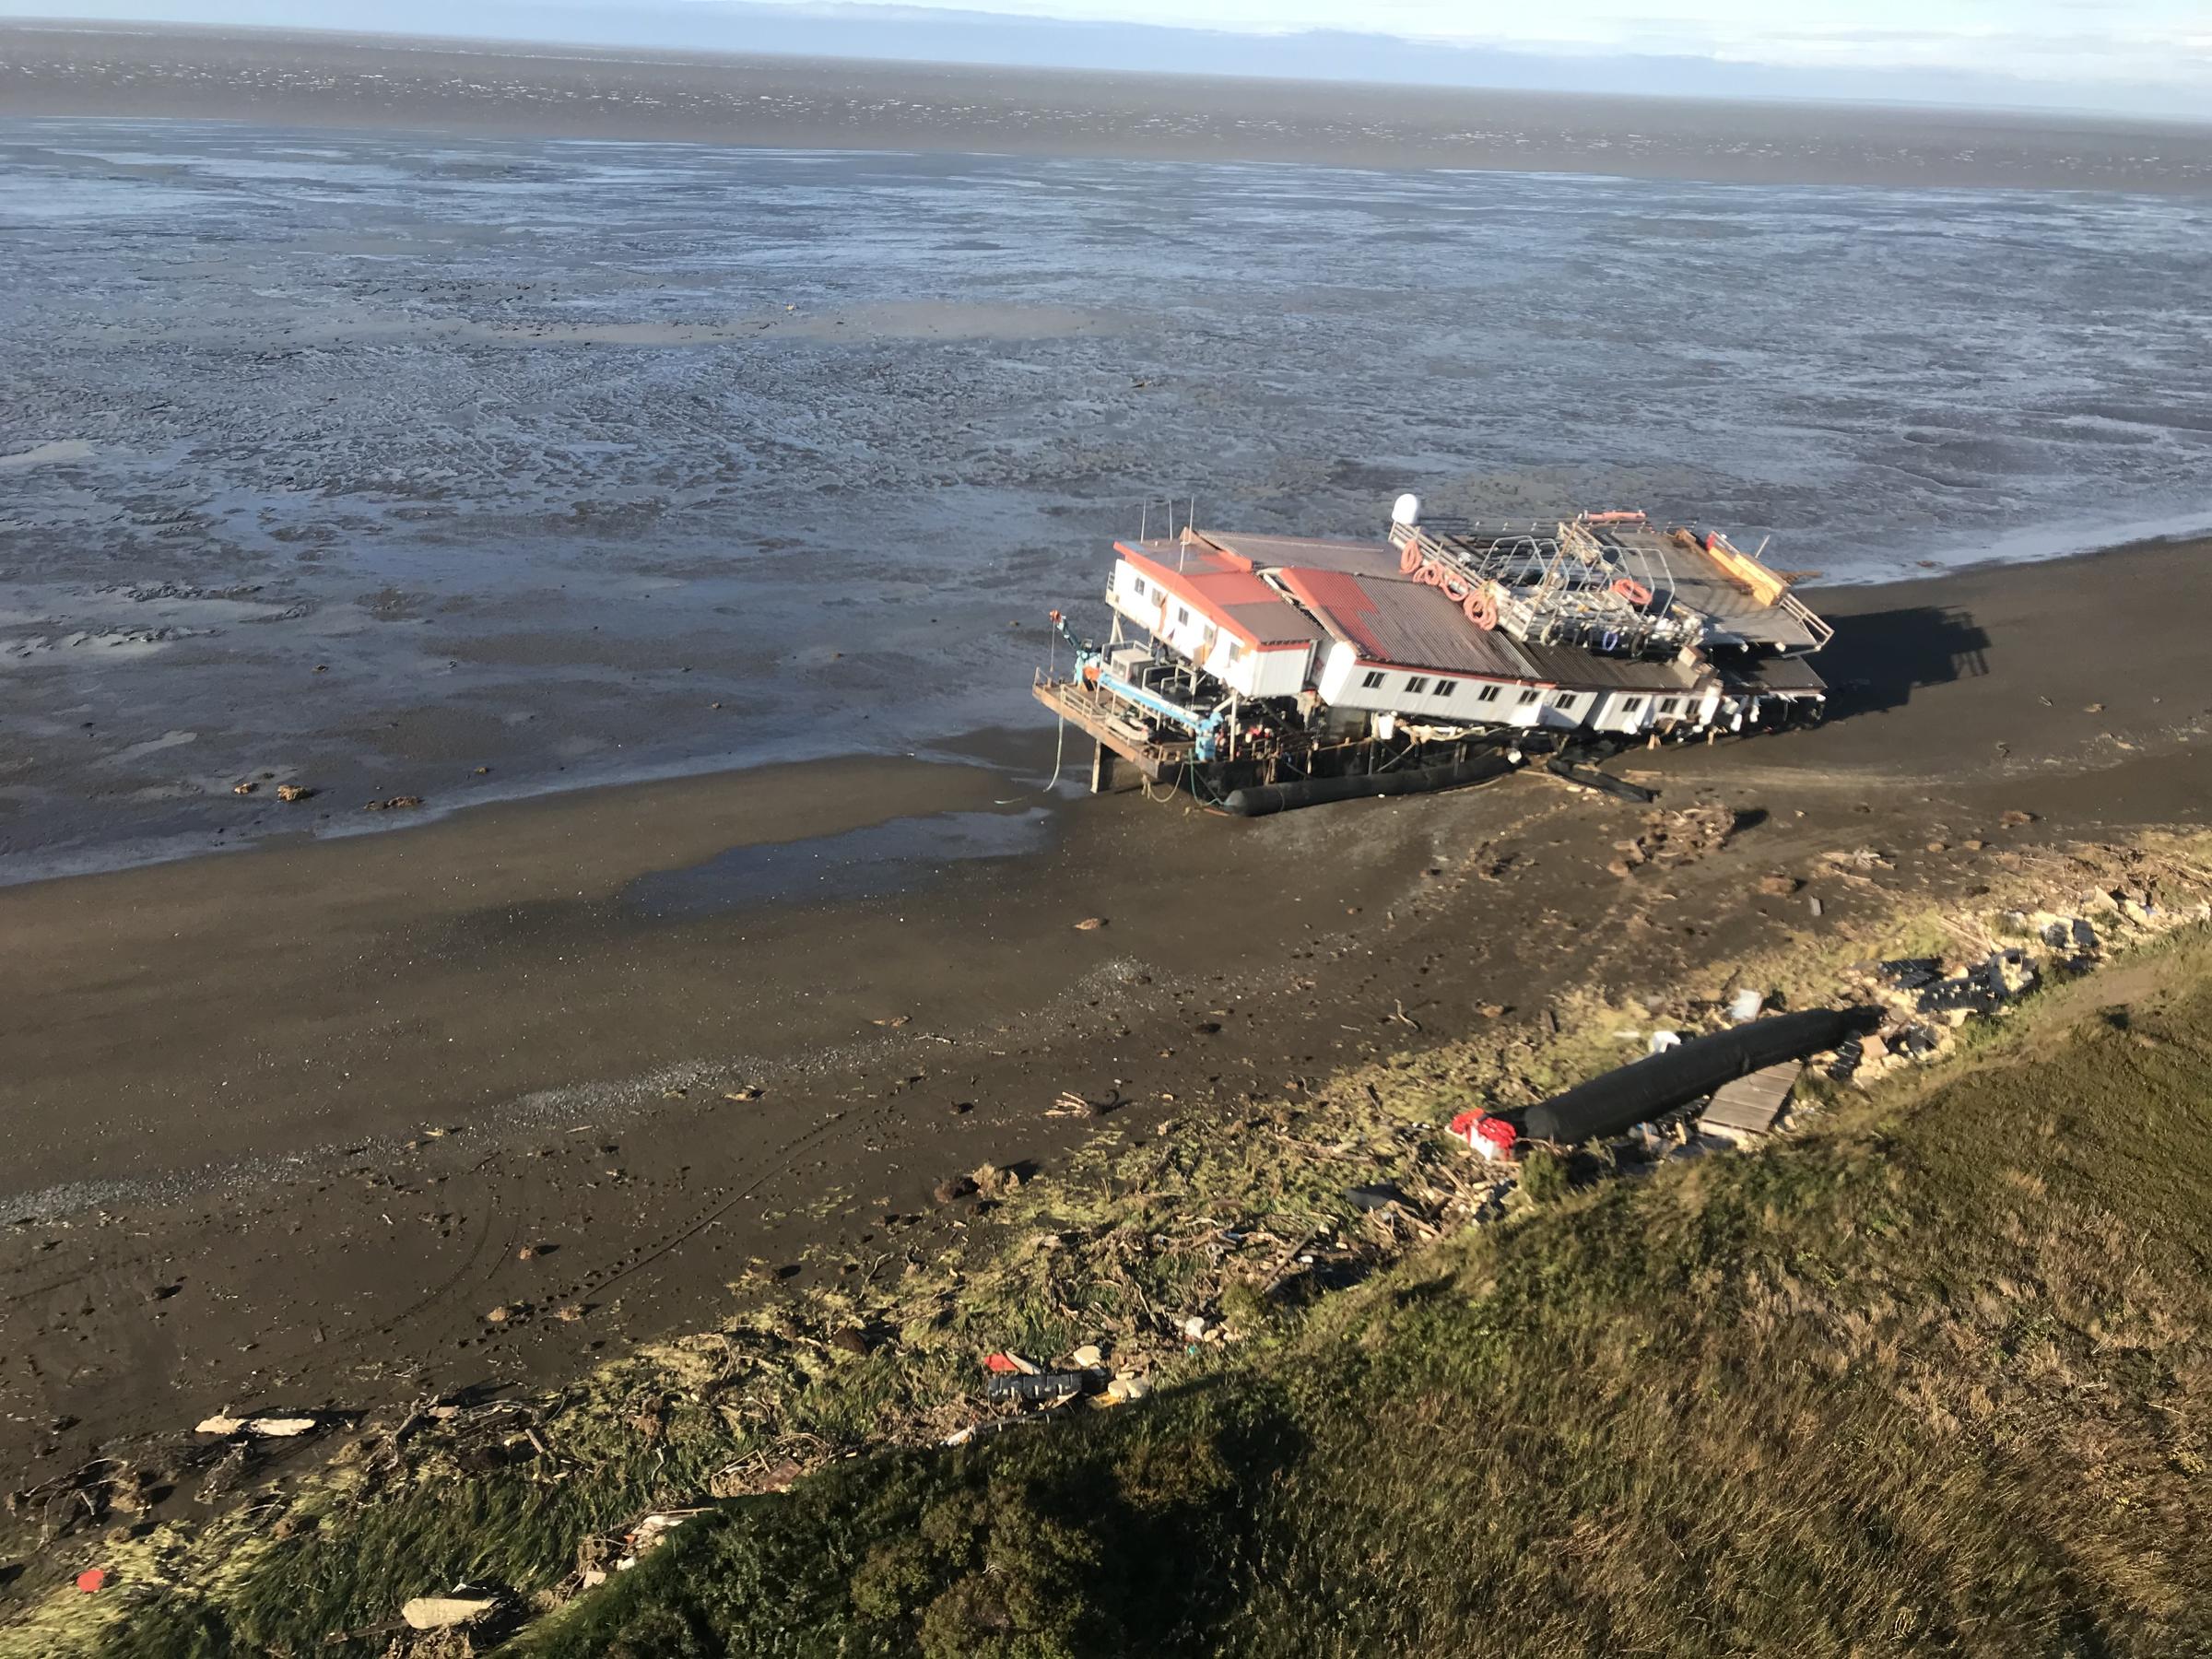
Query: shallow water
point(368, 459)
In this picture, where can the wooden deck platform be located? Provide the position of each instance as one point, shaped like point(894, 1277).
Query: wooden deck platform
point(1100, 718)
point(1751, 1105)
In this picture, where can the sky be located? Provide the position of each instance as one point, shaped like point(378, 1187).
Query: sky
point(2133, 56)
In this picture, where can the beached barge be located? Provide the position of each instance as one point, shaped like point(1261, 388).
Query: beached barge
point(1267, 671)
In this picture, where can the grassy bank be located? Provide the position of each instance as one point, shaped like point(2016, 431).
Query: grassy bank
point(1924, 1375)
point(1937, 1380)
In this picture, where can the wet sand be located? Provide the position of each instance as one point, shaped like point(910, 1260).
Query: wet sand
point(330, 79)
point(279, 1123)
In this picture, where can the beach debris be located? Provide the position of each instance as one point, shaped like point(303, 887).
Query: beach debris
point(1751, 1105)
point(1009, 1365)
point(1193, 1327)
point(92, 1581)
point(1660, 1041)
point(1492, 1136)
point(1590, 777)
point(1744, 1007)
point(1779, 885)
point(652, 1530)
point(1858, 858)
point(266, 1428)
point(498, 1315)
point(1128, 1388)
point(1045, 1388)
point(2013, 817)
point(751, 1091)
point(248, 787)
point(991, 1182)
point(290, 793)
point(1981, 989)
point(1377, 1196)
point(894, 1020)
point(1087, 1358)
point(446, 1612)
point(1090, 925)
point(393, 803)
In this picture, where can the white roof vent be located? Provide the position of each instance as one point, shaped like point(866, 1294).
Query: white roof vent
point(1407, 510)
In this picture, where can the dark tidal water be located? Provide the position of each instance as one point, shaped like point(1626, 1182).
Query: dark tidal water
point(538, 450)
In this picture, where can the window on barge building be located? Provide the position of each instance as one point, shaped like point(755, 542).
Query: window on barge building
point(1445, 688)
point(1236, 654)
point(1415, 684)
point(1633, 704)
point(1488, 694)
point(1182, 613)
point(1530, 696)
point(1138, 587)
point(1563, 701)
point(1667, 705)
point(1372, 681)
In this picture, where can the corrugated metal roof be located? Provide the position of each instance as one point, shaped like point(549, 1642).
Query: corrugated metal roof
point(1564, 664)
point(1275, 552)
point(1389, 620)
point(1772, 674)
point(1227, 592)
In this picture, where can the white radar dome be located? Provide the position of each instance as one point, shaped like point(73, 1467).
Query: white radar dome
point(1407, 511)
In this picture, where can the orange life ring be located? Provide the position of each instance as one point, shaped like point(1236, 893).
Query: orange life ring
point(1481, 609)
point(1409, 557)
point(1633, 591)
point(1433, 574)
point(1455, 588)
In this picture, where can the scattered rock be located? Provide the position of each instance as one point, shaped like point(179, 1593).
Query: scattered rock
point(445, 1612)
point(392, 804)
point(1127, 1388)
point(1087, 1358)
point(498, 1315)
point(570, 1313)
point(852, 1339)
point(1090, 925)
point(248, 787)
point(288, 792)
point(895, 1021)
point(2013, 817)
point(1491, 1010)
point(219, 1424)
point(1936, 846)
point(751, 1091)
point(1780, 887)
point(952, 1189)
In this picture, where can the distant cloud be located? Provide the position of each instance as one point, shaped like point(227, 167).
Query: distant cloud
point(2135, 57)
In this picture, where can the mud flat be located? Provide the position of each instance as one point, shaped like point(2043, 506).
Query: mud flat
point(282, 1123)
point(590, 92)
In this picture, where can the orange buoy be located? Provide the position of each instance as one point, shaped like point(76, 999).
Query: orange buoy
point(1633, 591)
point(1481, 609)
point(1409, 557)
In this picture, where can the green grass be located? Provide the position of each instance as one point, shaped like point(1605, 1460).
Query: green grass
point(1802, 1399)
point(1937, 1381)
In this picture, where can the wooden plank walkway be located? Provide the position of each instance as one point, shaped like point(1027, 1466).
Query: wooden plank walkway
point(1752, 1104)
